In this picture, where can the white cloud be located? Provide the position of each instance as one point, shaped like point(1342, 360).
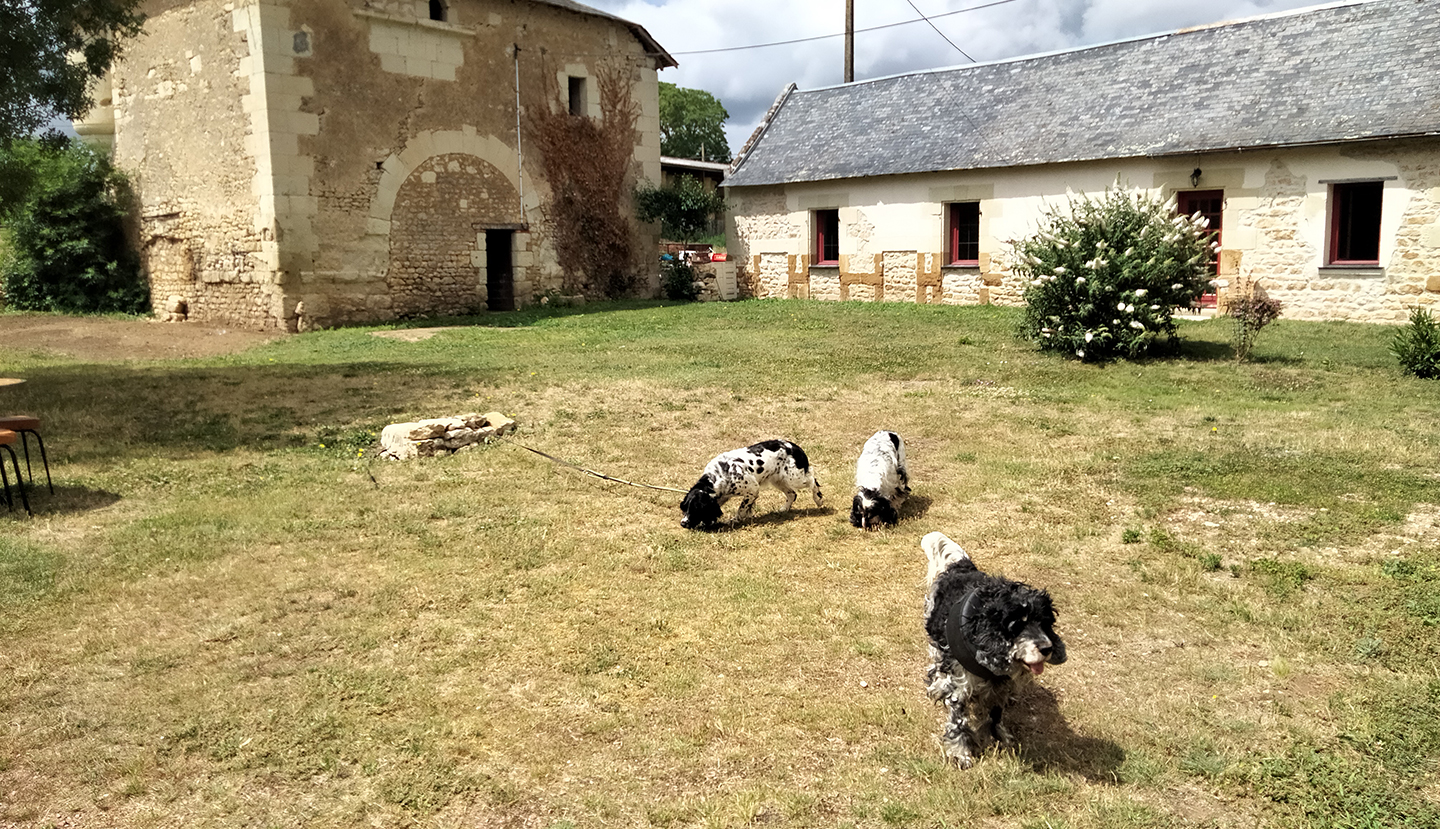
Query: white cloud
point(747, 81)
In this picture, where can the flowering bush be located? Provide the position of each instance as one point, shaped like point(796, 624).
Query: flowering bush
point(1251, 312)
point(1106, 277)
point(1417, 345)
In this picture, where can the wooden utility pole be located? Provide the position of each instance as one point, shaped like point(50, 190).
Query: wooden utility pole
point(849, 41)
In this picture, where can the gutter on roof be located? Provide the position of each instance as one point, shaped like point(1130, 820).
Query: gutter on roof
point(759, 131)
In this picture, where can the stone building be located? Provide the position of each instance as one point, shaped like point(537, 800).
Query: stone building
point(1311, 139)
point(306, 163)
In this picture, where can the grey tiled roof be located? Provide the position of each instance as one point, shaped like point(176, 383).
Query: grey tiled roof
point(1347, 71)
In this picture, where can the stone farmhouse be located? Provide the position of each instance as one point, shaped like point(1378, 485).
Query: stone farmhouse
point(1311, 140)
point(304, 163)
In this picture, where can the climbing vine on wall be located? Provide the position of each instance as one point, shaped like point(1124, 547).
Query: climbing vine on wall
point(589, 165)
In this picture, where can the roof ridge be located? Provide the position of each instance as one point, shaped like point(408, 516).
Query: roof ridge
point(1256, 18)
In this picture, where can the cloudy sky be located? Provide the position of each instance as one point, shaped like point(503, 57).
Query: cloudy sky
point(748, 80)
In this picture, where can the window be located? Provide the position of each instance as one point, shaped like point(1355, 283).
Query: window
point(577, 96)
point(963, 234)
point(1355, 223)
point(437, 10)
point(827, 237)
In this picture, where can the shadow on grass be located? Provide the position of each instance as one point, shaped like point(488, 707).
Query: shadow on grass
point(1049, 744)
point(1198, 351)
point(776, 516)
point(67, 499)
point(532, 314)
point(915, 506)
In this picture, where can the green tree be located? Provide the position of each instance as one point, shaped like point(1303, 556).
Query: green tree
point(692, 124)
point(683, 207)
point(49, 52)
point(67, 250)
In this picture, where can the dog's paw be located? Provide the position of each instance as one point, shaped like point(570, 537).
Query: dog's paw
point(942, 688)
point(960, 756)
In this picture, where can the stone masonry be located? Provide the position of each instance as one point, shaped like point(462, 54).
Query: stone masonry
point(303, 164)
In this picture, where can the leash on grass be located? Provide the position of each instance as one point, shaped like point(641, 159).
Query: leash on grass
point(592, 472)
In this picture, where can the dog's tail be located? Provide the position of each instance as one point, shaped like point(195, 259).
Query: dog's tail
point(941, 553)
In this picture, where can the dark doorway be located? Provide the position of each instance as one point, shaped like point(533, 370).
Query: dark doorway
point(499, 270)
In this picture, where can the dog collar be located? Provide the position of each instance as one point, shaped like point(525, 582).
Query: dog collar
point(959, 643)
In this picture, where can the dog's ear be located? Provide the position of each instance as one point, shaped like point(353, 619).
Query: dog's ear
point(989, 636)
point(1047, 614)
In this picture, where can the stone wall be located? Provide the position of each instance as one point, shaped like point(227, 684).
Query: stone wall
point(434, 255)
point(272, 139)
point(180, 129)
point(1275, 228)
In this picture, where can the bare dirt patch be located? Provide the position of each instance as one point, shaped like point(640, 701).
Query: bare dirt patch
point(106, 338)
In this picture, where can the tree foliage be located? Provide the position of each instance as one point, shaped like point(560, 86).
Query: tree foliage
point(67, 250)
point(50, 50)
point(1106, 276)
point(683, 207)
point(692, 124)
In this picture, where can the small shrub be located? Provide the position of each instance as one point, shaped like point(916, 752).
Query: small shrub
point(1417, 346)
point(1106, 277)
point(1250, 313)
point(677, 281)
point(1131, 536)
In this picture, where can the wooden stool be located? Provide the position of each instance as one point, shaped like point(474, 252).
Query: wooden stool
point(7, 440)
point(25, 425)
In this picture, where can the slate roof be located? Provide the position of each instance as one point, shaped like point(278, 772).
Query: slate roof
point(1348, 71)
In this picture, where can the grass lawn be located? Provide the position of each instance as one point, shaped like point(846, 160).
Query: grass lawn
point(231, 614)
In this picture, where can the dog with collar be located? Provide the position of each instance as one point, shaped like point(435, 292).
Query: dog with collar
point(741, 473)
point(987, 635)
point(881, 482)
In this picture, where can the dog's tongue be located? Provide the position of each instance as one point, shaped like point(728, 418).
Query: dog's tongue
point(1036, 667)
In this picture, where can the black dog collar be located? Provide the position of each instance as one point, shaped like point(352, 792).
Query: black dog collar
point(959, 643)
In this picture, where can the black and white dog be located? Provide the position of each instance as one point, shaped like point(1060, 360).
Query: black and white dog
point(987, 634)
point(881, 481)
point(740, 473)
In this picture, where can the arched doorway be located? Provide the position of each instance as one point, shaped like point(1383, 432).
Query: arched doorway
point(438, 240)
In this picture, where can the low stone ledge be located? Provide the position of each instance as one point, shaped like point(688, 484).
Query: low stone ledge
point(441, 435)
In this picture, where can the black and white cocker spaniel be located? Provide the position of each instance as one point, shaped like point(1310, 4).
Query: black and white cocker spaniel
point(881, 481)
point(987, 634)
point(740, 473)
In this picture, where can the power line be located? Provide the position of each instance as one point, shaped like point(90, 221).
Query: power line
point(842, 34)
point(937, 30)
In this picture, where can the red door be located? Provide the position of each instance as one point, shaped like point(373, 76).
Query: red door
point(1211, 205)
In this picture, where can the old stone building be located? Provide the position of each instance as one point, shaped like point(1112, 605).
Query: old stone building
point(306, 163)
point(1311, 140)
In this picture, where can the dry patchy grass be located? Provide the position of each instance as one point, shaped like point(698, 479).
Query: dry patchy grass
point(218, 621)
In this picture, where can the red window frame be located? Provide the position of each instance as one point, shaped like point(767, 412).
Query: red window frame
point(1211, 205)
point(827, 237)
point(1355, 223)
point(962, 234)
